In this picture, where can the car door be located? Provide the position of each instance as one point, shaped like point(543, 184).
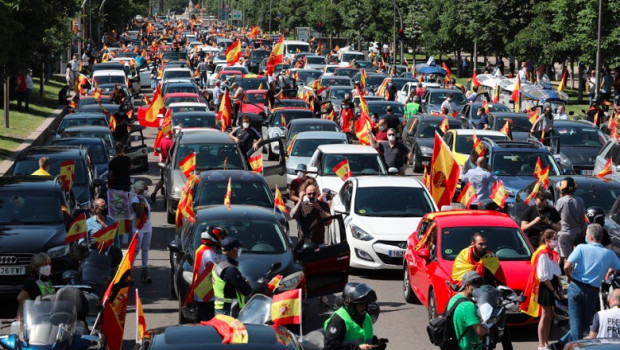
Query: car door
point(420, 267)
point(278, 168)
point(327, 270)
point(410, 131)
point(448, 138)
point(138, 151)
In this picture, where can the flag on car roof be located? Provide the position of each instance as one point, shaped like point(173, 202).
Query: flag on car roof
point(499, 193)
point(77, 230)
point(228, 194)
point(229, 328)
point(188, 164)
point(140, 320)
point(256, 163)
point(468, 195)
point(516, 94)
point(444, 125)
point(279, 201)
point(67, 174)
point(444, 173)
point(608, 169)
point(286, 308)
point(276, 56)
point(563, 81)
point(233, 53)
point(224, 114)
point(115, 300)
point(105, 236)
point(342, 170)
point(505, 129)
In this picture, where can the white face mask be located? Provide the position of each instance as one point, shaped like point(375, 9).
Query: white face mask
point(449, 99)
point(45, 270)
point(246, 125)
point(392, 138)
point(300, 174)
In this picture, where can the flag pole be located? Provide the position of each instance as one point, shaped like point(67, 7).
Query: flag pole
point(300, 315)
point(137, 318)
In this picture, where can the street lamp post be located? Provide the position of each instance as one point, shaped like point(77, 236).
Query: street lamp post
point(598, 51)
point(400, 38)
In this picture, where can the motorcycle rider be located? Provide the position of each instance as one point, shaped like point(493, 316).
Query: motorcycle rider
point(228, 283)
point(467, 322)
point(39, 283)
point(596, 215)
point(350, 327)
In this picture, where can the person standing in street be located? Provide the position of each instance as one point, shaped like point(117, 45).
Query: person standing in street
point(607, 83)
point(481, 178)
point(228, 282)
point(246, 137)
point(539, 217)
point(412, 106)
point(391, 121)
point(467, 322)
point(572, 213)
point(393, 152)
point(311, 214)
point(606, 322)
point(210, 240)
point(142, 224)
point(293, 189)
point(483, 123)
point(586, 267)
point(100, 220)
point(75, 70)
point(118, 170)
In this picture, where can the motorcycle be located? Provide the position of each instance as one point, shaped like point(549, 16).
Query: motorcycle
point(608, 286)
point(493, 304)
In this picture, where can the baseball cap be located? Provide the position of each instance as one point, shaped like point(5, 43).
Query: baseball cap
point(302, 167)
point(230, 243)
point(469, 277)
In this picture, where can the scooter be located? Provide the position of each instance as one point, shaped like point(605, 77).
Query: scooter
point(608, 286)
point(493, 303)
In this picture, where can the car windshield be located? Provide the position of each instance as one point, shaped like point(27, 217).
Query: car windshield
point(259, 54)
point(374, 80)
point(288, 116)
point(347, 72)
point(296, 129)
point(428, 128)
point(437, 97)
point(327, 82)
point(402, 202)
point(306, 147)
point(27, 207)
point(347, 57)
point(379, 108)
point(360, 164)
point(579, 136)
point(243, 192)
point(604, 197)
point(170, 100)
point(70, 122)
point(516, 124)
point(465, 143)
point(521, 163)
point(255, 97)
point(175, 56)
point(338, 94)
point(253, 83)
point(293, 48)
point(306, 77)
point(110, 79)
point(177, 74)
point(212, 155)
point(177, 109)
point(29, 166)
point(106, 136)
point(258, 237)
point(194, 121)
point(181, 88)
point(330, 69)
point(399, 83)
point(291, 102)
point(506, 242)
point(315, 60)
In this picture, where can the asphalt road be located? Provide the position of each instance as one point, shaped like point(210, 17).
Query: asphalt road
point(403, 324)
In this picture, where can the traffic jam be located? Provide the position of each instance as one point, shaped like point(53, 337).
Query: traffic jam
point(285, 167)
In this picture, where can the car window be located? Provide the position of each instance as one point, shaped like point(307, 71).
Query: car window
point(212, 155)
point(604, 197)
point(307, 77)
point(345, 194)
point(294, 48)
point(170, 100)
point(465, 143)
point(253, 83)
point(71, 122)
point(306, 147)
point(506, 242)
point(437, 97)
point(29, 166)
point(402, 202)
point(19, 208)
point(614, 153)
point(194, 121)
point(516, 124)
point(311, 127)
point(338, 94)
point(177, 74)
point(579, 136)
point(360, 164)
point(288, 116)
point(109, 79)
point(256, 97)
point(521, 163)
point(258, 237)
point(106, 136)
point(379, 108)
point(315, 60)
point(245, 192)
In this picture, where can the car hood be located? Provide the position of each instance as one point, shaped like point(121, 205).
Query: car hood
point(293, 162)
point(580, 155)
point(31, 238)
point(426, 142)
point(332, 182)
point(394, 227)
point(515, 184)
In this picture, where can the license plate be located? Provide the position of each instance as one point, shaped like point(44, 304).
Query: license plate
point(12, 270)
point(396, 253)
point(585, 172)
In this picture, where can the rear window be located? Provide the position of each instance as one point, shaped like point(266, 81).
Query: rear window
point(194, 121)
point(212, 156)
point(19, 208)
point(68, 123)
point(27, 167)
point(244, 192)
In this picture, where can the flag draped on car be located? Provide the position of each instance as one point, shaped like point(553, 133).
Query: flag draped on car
point(230, 329)
point(444, 173)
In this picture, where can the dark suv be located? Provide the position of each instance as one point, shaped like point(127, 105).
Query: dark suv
point(32, 220)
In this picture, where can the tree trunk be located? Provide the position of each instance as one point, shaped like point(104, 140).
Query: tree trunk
point(6, 101)
point(581, 83)
point(572, 73)
point(459, 66)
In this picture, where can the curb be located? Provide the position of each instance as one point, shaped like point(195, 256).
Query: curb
point(37, 137)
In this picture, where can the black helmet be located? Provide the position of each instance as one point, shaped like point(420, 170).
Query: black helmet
point(214, 234)
point(567, 185)
point(358, 293)
point(595, 215)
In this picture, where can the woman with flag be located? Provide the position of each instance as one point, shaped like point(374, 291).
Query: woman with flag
point(542, 286)
point(142, 224)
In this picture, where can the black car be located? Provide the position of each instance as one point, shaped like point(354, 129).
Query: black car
point(112, 108)
point(85, 186)
point(379, 106)
point(336, 80)
point(32, 221)
point(80, 119)
point(267, 252)
point(306, 76)
point(180, 87)
point(255, 58)
point(300, 125)
point(373, 80)
point(419, 135)
point(433, 98)
point(97, 151)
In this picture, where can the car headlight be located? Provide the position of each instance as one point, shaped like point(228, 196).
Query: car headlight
point(360, 234)
point(276, 132)
point(176, 191)
point(58, 252)
point(291, 281)
point(426, 150)
point(562, 159)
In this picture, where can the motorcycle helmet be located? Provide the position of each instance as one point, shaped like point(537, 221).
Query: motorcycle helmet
point(358, 293)
point(595, 215)
point(567, 185)
point(213, 234)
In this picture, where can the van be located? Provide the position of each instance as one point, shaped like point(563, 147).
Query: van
point(293, 47)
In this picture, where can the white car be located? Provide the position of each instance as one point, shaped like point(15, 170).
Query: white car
point(304, 147)
point(363, 160)
point(610, 149)
point(177, 107)
point(179, 74)
point(109, 77)
point(380, 213)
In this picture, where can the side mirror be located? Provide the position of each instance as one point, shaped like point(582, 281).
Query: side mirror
point(312, 169)
point(175, 246)
point(568, 171)
point(618, 168)
point(161, 166)
point(424, 253)
point(392, 171)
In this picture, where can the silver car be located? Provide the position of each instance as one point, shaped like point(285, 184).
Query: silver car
point(304, 146)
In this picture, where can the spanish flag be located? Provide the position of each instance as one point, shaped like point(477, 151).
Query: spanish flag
point(228, 194)
point(77, 230)
point(105, 236)
point(478, 147)
point(155, 107)
point(233, 53)
point(67, 174)
point(499, 194)
point(608, 169)
point(532, 116)
point(426, 178)
point(224, 114)
point(505, 129)
point(448, 72)
point(230, 329)
point(543, 176)
point(72, 104)
point(485, 106)
point(363, 129)
point(533, 193)
point(596, 118)
point(563, 81)
point(363, 77)
point(537, 168)
point(465, 262)
point(276, 56)
point(364, 111)
point(444, 125)
point(140, 320)
point(444, 173)
point(316, 85)
point(274, 283)
point(97, 93)
point(202, 284)
point(124, 227)
point(279, 201)
point(286, 308)
point(468, 195)
point(496, 94)
point(289, 149)
point(474, 81)
point(185, 206)
point(343, 170)
point(141, 221)
point(145, 99)
point(516, 94)
point(188, 164)
point(115, 300)
point(256, 163)
point(530, 306)
point(112, 124)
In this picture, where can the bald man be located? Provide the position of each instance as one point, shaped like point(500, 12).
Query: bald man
point(606, 323)
point(481, 178)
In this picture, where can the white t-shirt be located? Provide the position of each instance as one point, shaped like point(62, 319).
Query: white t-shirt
point(147, 226)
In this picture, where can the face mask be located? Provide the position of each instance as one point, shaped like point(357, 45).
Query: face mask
point(45, 270)
point(390, 85)
point(300, 174)
point(553, 244)
point(392, 138)
point(479, 113)
point(345, 107)
point(246, 125)
point(449, 99)
point(239, 252)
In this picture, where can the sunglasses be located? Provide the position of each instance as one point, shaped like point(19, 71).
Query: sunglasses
point(311, 194)
point(391, 134)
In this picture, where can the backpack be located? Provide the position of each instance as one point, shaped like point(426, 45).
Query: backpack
point(441, 331)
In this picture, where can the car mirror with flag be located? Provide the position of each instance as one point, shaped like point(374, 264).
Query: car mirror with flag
point(256, 163)
point(188, 164)
point(342, 170)
point(608, 169)
point(286, 308)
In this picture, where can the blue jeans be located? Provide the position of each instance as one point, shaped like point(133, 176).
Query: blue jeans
point(581, 308)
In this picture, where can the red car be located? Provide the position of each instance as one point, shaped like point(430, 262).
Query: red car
point(253, 101)
point(428, 267)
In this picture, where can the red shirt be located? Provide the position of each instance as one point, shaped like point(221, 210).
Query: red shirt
point(165, 145)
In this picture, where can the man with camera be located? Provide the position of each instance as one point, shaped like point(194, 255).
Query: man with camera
point(311, 212)
point(539, 217)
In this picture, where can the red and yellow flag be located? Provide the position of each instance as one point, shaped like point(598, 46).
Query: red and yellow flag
point(485, 106)
point(289, 149)
point(516, 94)
point(596, 118)
point(188, 164)
point(444, 125)
point(448, 72)
point(532, 116)
point(478, 147)
point(543, 176)
point(530, 306)
point(363, 131)
point(115, 300)
point(256, 163)
point(286, 308)
point(465, 262)
point(316, 86)
point(185, 208)
point(279, 201)
point(533, 193)
point(538, 168)
point(274, 283)
point(105, 236)
point(97, 93)
point(67, 174)
point(72, 104)
point(562, 84)
point(254, 32)
point(146, 100)
point(496, 94)
point(230, 329)
point(474, 81)
point(112, 123)
point(140, 320)
point(506, 128)
point(155, 107)
point(228, 194)
point(499, 193)
point(224, 114)
point(444, 173)
point(233, 53)
point(202, 283)
point(468, 195)
point(124, 227)
point(342, 170)
point(77, 230)
point(363, 77)
point(276, 57)
point(608, 169)
point(426, 178)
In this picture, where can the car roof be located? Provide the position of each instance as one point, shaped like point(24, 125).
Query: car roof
point(351, 149)
point(464, 218)
point(515, 145)
point(204, 135)
point(236, 212)
point(187, 104)
point(509, 114)
point(386, 102)
point(177, 69)
point(118, 72)
point(582, 123)
point(321, 135)
point(180, 94)
point(335, 77)
point(479, 133)
point(28, 183)
point(347, 87)
point(312, 121)
point(78, 141)
point(296, 42)
point(193, 113)
point(82, 115)
point(389, 181)
point(90, 128)
point(52, 152)
point(444, 90)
